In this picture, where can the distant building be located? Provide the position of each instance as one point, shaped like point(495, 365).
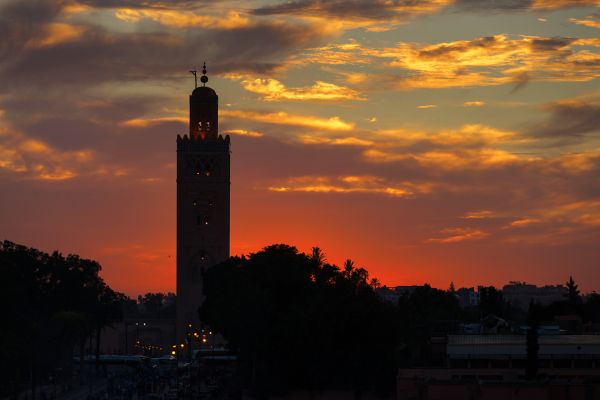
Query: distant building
point(520, 294)
point(493, 367)
point(393, 294)
point(467, 297)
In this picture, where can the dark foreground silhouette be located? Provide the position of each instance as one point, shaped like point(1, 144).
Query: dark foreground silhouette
point(295, 322)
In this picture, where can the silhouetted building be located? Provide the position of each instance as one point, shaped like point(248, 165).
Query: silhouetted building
point(393, 294)
point(202, 203)
point(493, 367)
point(467, 297)
point(520, 294)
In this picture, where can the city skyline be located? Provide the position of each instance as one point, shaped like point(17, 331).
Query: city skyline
point(444, 141)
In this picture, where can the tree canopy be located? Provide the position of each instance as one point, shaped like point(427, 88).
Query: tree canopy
point(299, 322)
point(53, 303)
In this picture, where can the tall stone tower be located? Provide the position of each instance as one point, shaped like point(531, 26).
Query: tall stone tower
point(202, 203)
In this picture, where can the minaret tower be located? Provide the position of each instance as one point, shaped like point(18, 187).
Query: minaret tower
point(202, 203)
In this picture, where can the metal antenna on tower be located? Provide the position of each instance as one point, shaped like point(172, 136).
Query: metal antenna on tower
point(194, 72)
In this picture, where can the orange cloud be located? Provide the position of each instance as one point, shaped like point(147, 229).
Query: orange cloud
point(283, 118)
point(485, 61)
point(591, 21)
point(524, 222)
point(577, 162)
point(585, 212)
point(483, 214)
point(36, 159)
point(469, 147)
point(448, 159)
point(144, 122)
point(274, 90)
point(184, 19)
point(564, 223)
point(474, 104)
point(455, 235)
point(558, 4)
point(352, 184)
point(471, 134)
point(243, 132)
point(56, 33)
point(340, 141)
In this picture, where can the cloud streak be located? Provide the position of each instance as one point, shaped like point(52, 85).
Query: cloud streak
point(350, 185)
point(284, 118)
point(456, 235)
point(274, 90)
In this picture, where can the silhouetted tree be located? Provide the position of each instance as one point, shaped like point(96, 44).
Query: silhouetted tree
point(52, 305)
point(532, 345)
point(572, 294)
point(491, 301)
point(107, 310)
point(300, 323)
point(318, 256)
point(591, 308)
point(425, 311)
point(452, 289)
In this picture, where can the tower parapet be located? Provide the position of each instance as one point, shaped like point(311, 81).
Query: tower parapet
point(186, 142)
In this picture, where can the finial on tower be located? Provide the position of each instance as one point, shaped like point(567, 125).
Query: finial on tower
point(204, 78)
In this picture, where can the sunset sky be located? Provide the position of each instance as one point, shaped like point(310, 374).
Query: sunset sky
point(429, 141)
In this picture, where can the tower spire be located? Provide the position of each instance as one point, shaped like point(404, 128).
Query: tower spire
point(204, 78)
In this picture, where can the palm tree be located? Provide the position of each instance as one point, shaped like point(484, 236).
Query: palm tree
point(318, 256)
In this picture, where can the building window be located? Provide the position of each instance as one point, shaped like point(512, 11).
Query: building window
point(205, 221)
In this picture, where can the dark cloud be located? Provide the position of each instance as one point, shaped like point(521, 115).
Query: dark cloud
point(99, 56)
point(95, 55)
point(520, 80)
point(569, 120)
point(493, 5)
point(550, 44)
point(353, 9)
point(21, 21)
point(445, 49)
point(518, 5)
point(382, 9)
point(152, 4)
